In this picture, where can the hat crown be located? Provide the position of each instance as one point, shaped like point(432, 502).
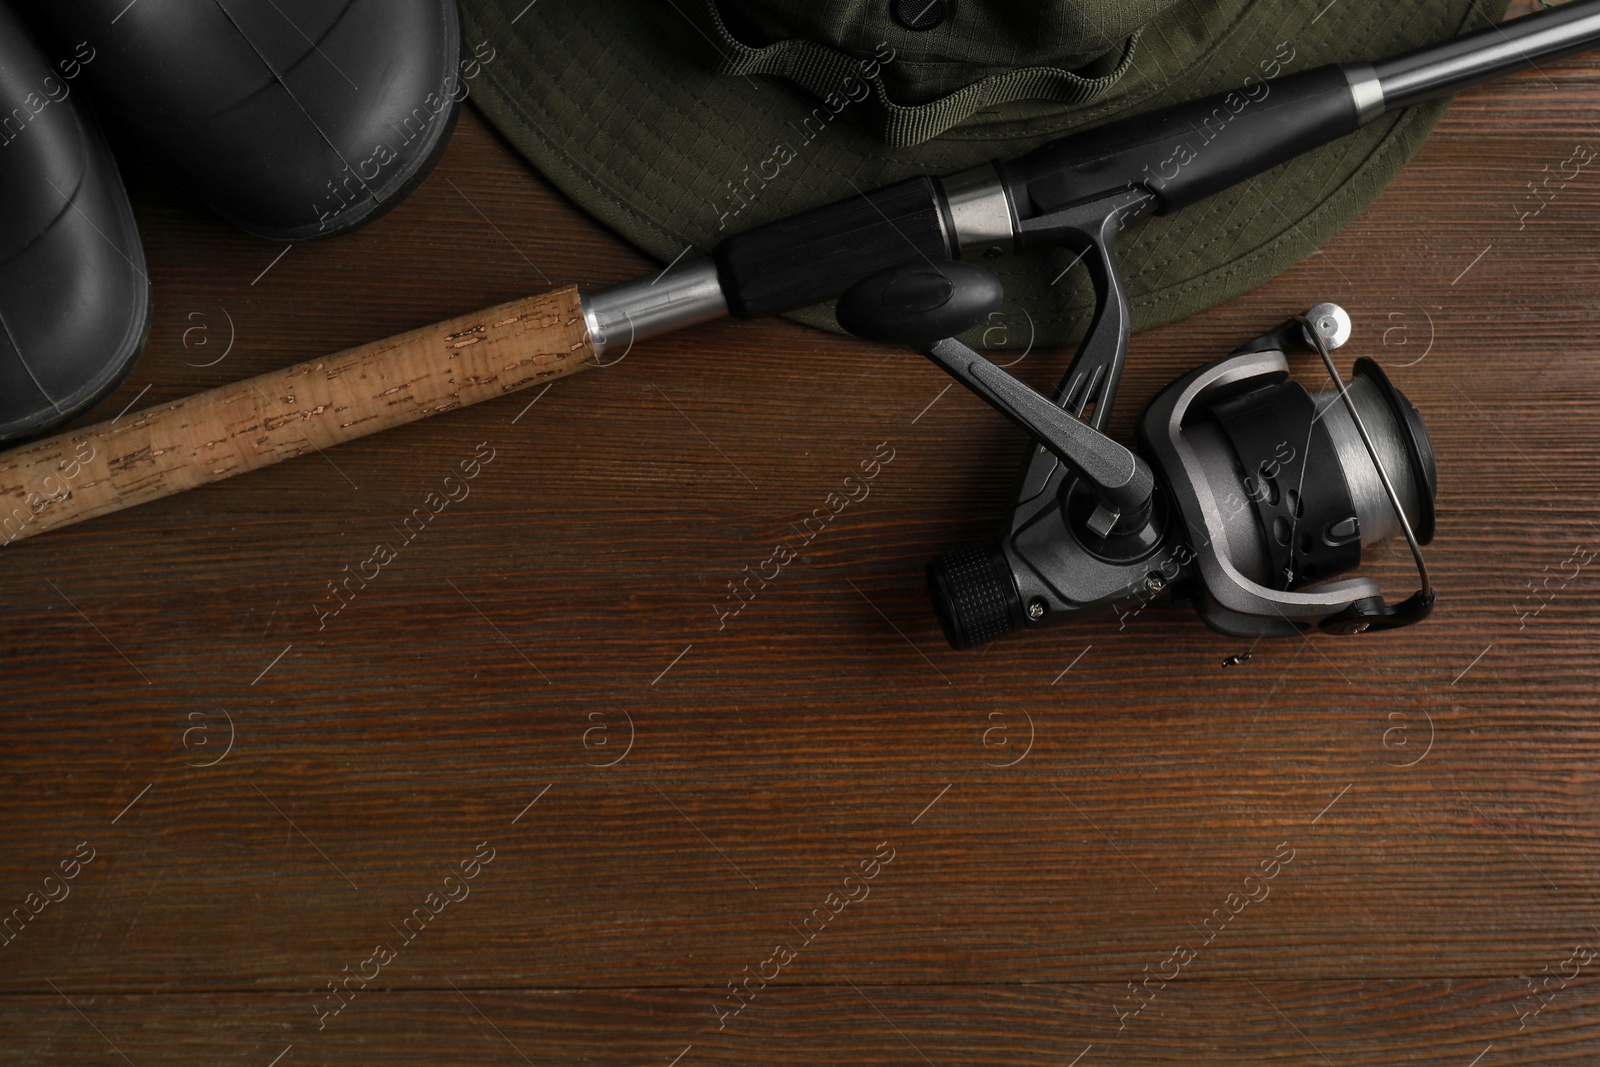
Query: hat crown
point(942, 46)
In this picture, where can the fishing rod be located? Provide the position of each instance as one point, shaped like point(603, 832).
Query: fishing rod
point(1093, 521)
point(1249, 498)
point(1158, 163)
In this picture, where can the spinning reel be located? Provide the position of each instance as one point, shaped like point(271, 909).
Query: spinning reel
point(1249, 496)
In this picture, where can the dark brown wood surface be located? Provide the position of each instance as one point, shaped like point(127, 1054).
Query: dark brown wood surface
point(270, 790)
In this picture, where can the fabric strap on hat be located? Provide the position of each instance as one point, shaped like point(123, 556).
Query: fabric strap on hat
point(825, 72)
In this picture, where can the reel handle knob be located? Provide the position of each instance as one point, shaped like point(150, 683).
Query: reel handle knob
point(920, 303)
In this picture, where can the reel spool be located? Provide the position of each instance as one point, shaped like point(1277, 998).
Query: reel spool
point(1250, 496)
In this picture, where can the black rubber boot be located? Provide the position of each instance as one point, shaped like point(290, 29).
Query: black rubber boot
point(292, 119)
point(74, 298)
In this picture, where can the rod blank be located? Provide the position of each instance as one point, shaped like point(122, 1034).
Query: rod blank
point(1450, 66)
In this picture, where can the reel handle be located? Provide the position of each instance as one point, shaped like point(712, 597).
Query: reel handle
point(925, 305)
point(1122, 480)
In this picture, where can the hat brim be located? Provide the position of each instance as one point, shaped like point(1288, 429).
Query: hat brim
point(607, 99)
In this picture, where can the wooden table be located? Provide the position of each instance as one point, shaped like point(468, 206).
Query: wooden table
point(926, 856)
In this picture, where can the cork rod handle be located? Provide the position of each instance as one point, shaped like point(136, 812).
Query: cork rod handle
point(285, 413)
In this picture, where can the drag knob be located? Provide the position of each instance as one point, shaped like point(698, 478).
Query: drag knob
point(973, 595)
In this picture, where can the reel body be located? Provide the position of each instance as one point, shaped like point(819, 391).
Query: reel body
point(1279, 496)
point(1250, 497)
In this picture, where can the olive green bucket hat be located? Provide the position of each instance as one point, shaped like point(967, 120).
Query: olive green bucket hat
point(680, 122)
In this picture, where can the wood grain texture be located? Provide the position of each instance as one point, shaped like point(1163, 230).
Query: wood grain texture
point(283, 414)
point(276, 764)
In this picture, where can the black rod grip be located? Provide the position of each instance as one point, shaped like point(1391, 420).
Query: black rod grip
point(1188, 151)
point(812, 257)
